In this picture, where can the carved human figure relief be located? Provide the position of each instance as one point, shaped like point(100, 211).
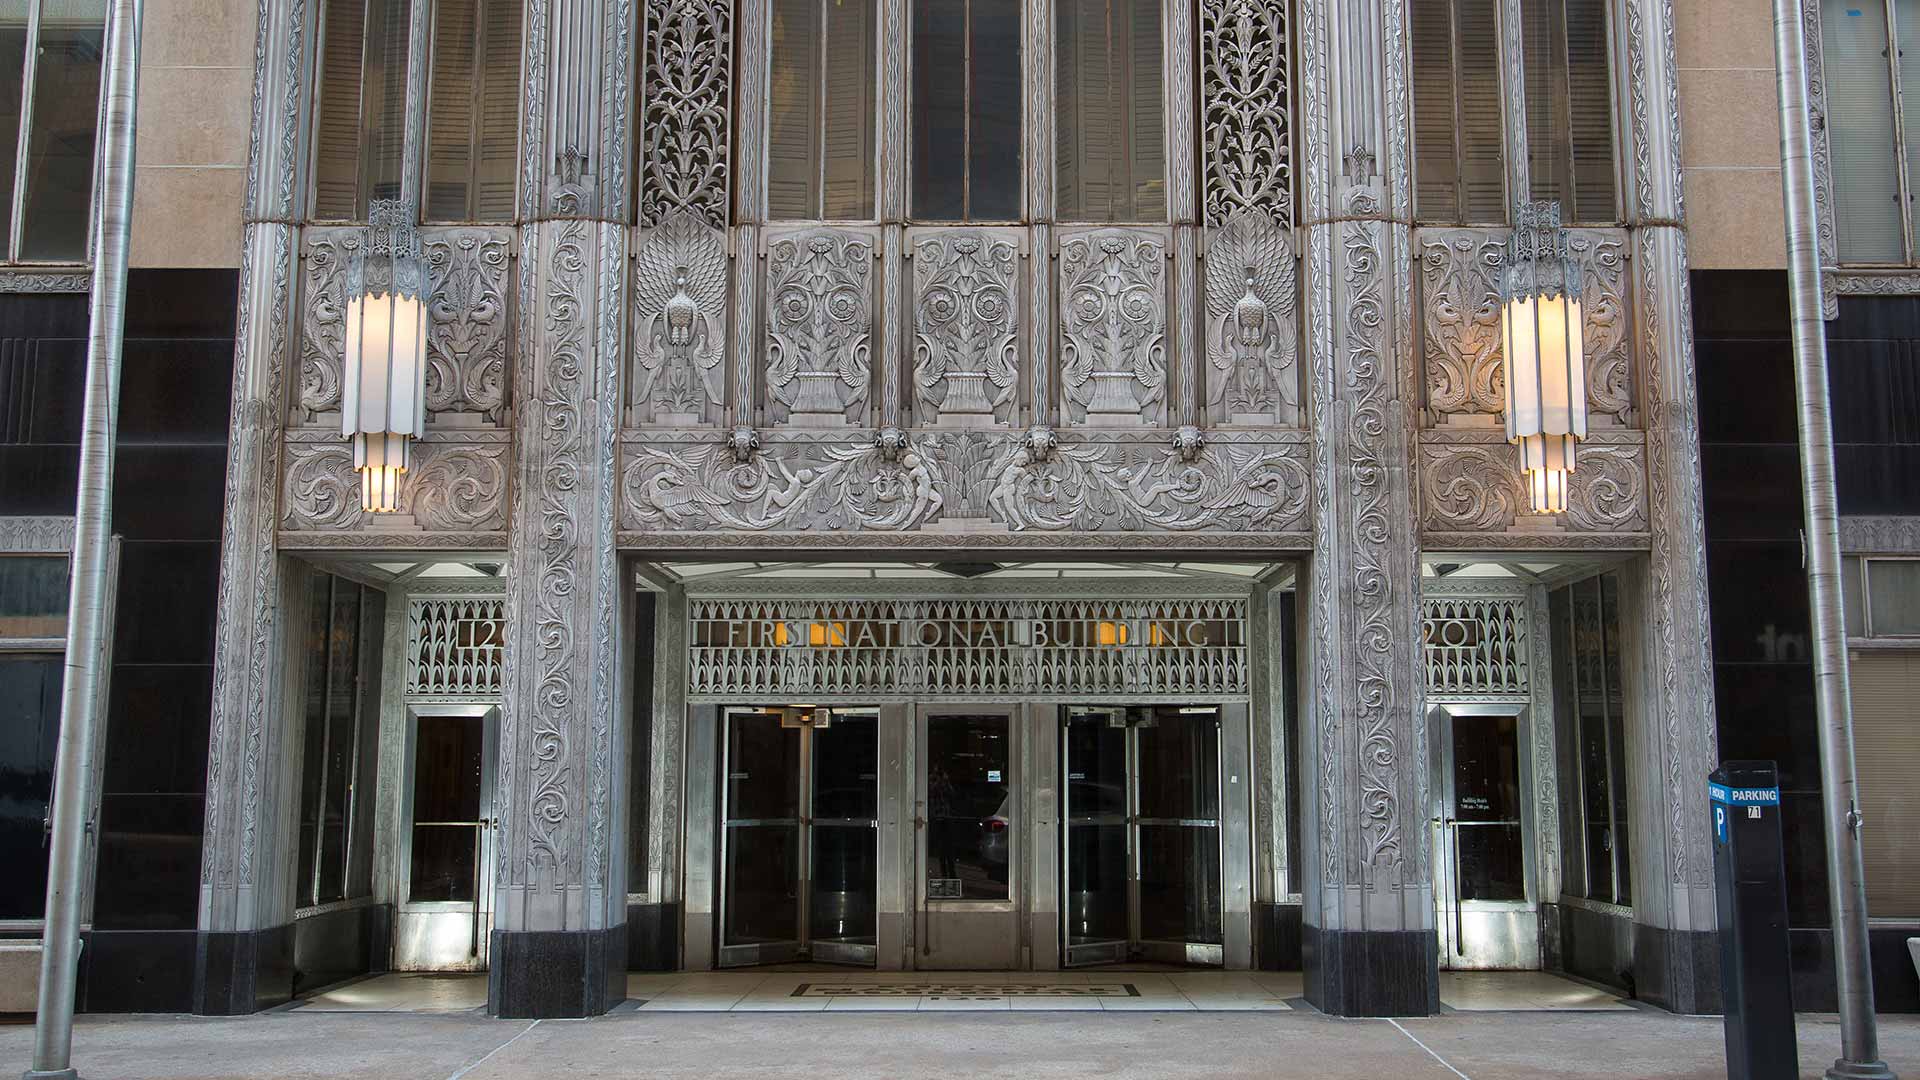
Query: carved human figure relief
point(467, 333)
point(884, 485)
point(1251, 375)
point(819, 326)
point(1113, 348)
point(679, 323)
point(1137, 486)
point(1246, 92)
point(1460, 301)
point(966, 355)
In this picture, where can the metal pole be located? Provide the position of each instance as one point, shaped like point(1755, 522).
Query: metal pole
point(1846, 884)
point(87, 616)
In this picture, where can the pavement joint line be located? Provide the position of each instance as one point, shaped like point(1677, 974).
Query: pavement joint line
point(464, 1070)
point(1430, 1050)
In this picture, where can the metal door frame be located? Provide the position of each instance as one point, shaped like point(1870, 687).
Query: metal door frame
point(802, 946)
point(1513, 926)
point(925, 911)
point(1135, 943)
point(417, 923)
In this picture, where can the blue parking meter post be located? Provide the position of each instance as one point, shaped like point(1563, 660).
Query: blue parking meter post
point(1751, 891)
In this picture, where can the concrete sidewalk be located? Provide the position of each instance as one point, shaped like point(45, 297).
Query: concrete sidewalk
point(1029, 1046)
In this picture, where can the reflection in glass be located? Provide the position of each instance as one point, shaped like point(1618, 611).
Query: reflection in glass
point(844, 866)
point(66, 104)
point(447, 760)
point(360, 115)
point(762, 830)
point(969, 807)
point(1486, 808)
point(1096, 813)
point(1179, 811)
point(1860, 126)
point(33, 596)
point(1110, 155)
point(29, 730)
point(13, 77)
point(820, 154)
point(966, 110)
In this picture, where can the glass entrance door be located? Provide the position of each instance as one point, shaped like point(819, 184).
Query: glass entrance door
point(799, 836)
point(446, 917)
point(1142, 870)
point(969, 850)
point(1482, 870)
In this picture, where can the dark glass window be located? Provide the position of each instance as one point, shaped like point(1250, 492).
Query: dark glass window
point(360, 115)
point(46, 170)
point(969, 807)
point(1459, 164)
point(473, 112)
point(1569, 107)
point(33, 596)
point(966, 110)
point(820, 157)
point(29, 729)
point(340, 736)
point(1110, 154)
point(1591, 722)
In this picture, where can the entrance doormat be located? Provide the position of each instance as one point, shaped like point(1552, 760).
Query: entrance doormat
point(956, 991)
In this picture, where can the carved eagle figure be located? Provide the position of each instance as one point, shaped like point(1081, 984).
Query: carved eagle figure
point(680, 295)
point(1250, 287)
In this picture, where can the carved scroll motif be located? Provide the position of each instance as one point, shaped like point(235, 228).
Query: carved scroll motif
point(688, 64)
point(680, 325)
point(1602, 256)
point(1476, 486)
point(453, 486)
point(323, 315)
point(966, 356)
point(1245, 93)
point(1113, 351)
point(467, 331)
point(819, 325)
point(1607, 492)
point(1460, 277)
point(1252, 377)
point(1102, 486)
point(801, 486)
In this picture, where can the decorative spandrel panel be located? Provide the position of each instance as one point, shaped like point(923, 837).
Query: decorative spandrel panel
point(1460, 272)
point(455, 646)
point(1252, 376)
point(454, 496)
point(680, 276)
point(966, 326)
point(1471, 493)
point(685, 125)
point(323, 322)
point(1029, 648)
point(1113, 326)
point(1476, 648)
point(468, 273)
point(965, 487)
point(820, 303)
point(1246, 97)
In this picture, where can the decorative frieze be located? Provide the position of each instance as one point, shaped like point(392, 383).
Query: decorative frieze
point(1476, 648)
point(819, 361)
point(966, 322)
point(680, 278)
point(1113, 326)
point(458, 484)
point(1470, 482)
point(455, 646)
point(1252, 323)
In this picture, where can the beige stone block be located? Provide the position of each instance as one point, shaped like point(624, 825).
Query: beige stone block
point(1729, 117)
point(198, 33)
point(1723, 34)
point(1734, 220)
point(194, 116)
point(187, 217)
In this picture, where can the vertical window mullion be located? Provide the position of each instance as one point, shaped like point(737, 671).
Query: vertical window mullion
point(326, 714)
point(476, 101)
point(350, 806)
point(23, 147)
point(1459, 115)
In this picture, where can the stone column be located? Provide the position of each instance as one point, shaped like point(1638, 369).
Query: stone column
point(1664, 602)
point(1367, 886)
point(559, 943)
point(244, 955)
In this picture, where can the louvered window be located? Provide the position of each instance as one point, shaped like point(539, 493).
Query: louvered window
point(468, 162)
point(1460, 170)
point(1867, 84)
point(46, 168)
point(820, 160)
point(966, 110)
point(1111, 157)
point(1460, 151)
point(473, 110)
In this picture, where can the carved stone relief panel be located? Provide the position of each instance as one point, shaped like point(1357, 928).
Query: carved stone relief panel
point(467, 325)
point(966, 326)
point(688, 96)
point(323, 322)
point(1252, 334)
point(1113, 326)
point(819, 363)
point(1245, 93)
point(680, 276)
point(1460, 285)
point(1460, 281)
point(458, 484)
point(955, 483)
point(1470, 483)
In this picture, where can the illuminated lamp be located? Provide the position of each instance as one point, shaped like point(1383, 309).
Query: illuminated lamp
point(383, 388)
point(1544, 355)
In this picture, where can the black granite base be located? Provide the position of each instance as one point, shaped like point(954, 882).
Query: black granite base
point(653, 937)
point(136, 971)
point(1678, 970)
point(1371, 972)
point(240, 972)
point(1276, 937)
point(1594, 944)
point(552, 974)
point(1896, 988)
